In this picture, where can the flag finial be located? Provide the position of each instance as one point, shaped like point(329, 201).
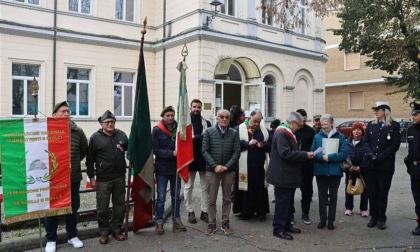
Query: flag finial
point(184, 51)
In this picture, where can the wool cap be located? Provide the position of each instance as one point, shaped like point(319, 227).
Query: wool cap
point(416, 108)
point(381, 105)
point(106, 115)
point(59, 105)
point(167, 109)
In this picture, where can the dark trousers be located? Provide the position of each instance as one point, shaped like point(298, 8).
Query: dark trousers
point(378, 184)
point(327, 185)
point(306, 189)
point(51, 223)
point(110, 221)
point(282, 211)
point(349, 198)
point(415, 190)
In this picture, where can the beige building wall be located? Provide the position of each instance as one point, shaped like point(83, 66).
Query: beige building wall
point(103, 45)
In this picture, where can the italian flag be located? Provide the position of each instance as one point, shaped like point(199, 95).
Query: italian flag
point(35, 157)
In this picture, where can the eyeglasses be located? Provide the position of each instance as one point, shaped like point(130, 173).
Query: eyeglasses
point(109, 122)
point(65, 111)
point(224, 117)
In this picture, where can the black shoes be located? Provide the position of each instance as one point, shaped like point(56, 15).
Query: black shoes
point(306, 220)
point(416, 231)
point(331, 225)
point(322, 224)
point(191, 218)
point(283, 235)
point(293, 230)
point(204, 217)
point(372, 223)
point(381, 225)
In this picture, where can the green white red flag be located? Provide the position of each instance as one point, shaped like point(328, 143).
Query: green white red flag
point(35, 158)
point(184, 143)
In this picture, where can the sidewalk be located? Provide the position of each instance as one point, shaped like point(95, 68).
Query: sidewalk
point(351, 233)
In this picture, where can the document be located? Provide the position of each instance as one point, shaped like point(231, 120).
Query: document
point(319, 150)
point(330, 145)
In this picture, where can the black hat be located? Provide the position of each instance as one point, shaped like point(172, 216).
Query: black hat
point(416, 108)
point(106, 115)
point(167, 109)
point(381, 105)
point(59, 105)
point(302, 112)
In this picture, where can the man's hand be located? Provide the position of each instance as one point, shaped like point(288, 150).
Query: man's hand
point(253, 142)
point(218, 169)
point(310, 155)
point(174, 153)
point(93, 183)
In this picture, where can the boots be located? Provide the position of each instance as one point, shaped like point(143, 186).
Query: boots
point(416, 231)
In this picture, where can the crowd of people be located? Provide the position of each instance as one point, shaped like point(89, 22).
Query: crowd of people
point(239, 154)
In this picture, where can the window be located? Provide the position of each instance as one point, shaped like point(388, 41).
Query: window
point(123, 94)
point(229, 7)
point(267, 18)
point(78, 81)
point(270, 96)
point(301, 17)
point(356, 100)
point(352, 61)
point(124, 10)
point(34, 2)
point(22, 100)
point(80, 6)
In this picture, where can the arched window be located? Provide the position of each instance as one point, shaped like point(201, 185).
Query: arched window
point(270, 97)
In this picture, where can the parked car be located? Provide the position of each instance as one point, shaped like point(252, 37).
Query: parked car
point(345, 127)
point(404, 124)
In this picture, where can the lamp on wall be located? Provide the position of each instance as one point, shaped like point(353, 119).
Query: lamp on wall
point(215, 9)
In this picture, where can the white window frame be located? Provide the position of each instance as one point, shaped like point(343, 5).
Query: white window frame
point(79, 7)
point(271, 87)
point(27, 2)
point(226, 6)
point(124, 18)
point(264, 20)
point(123, 96)
point(25, 87)
point(78, 82)
point(301, 17)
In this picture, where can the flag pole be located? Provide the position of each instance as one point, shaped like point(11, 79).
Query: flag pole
point(130, 167)
point(184, 53)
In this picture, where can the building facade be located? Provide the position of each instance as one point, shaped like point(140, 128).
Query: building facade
point(86, 52)
point(351, 88)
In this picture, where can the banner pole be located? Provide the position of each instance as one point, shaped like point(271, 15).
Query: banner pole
point(127, 201)
point(40, 231)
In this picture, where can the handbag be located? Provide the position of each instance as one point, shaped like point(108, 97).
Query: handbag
point(358, 187)
point(345, 164)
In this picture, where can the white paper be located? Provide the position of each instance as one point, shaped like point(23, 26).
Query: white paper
point(330, 145)
point(319, 150)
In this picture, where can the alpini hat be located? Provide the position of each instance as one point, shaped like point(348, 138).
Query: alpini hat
point(106, 115)
point(416, 108)
point(381, 105)
point(59, 105)
point(167, 109)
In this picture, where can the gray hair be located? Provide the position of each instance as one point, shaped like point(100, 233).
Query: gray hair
point(294, 117)
point(255, 111)
point(328, 117)
point(224, 111)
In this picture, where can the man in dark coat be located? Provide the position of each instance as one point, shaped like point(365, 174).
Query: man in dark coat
point(284, 173)
point(199, 125)
point(383, 137)
point(412, 161)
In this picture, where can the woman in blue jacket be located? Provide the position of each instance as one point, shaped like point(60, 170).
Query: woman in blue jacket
point(327, 168)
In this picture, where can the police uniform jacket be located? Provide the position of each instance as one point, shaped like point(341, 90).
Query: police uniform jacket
point(413, 139)
point(384, 142)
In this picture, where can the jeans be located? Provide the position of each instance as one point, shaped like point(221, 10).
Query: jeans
point(51, 223)
point(162, 185)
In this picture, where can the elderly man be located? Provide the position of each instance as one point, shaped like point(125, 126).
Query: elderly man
point(317, 123)
point(413, 160)
point(106, 160)
point(284, 172)
point(199, 125)
point(78, 151)
point(221, 150)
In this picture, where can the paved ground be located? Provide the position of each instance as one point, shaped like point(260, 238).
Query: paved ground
point(351, 233)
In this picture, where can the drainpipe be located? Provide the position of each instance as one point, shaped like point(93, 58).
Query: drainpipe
point(54, 50)
point(163, 56)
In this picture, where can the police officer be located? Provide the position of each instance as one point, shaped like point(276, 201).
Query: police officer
point(383, 137)
point(412, 161)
